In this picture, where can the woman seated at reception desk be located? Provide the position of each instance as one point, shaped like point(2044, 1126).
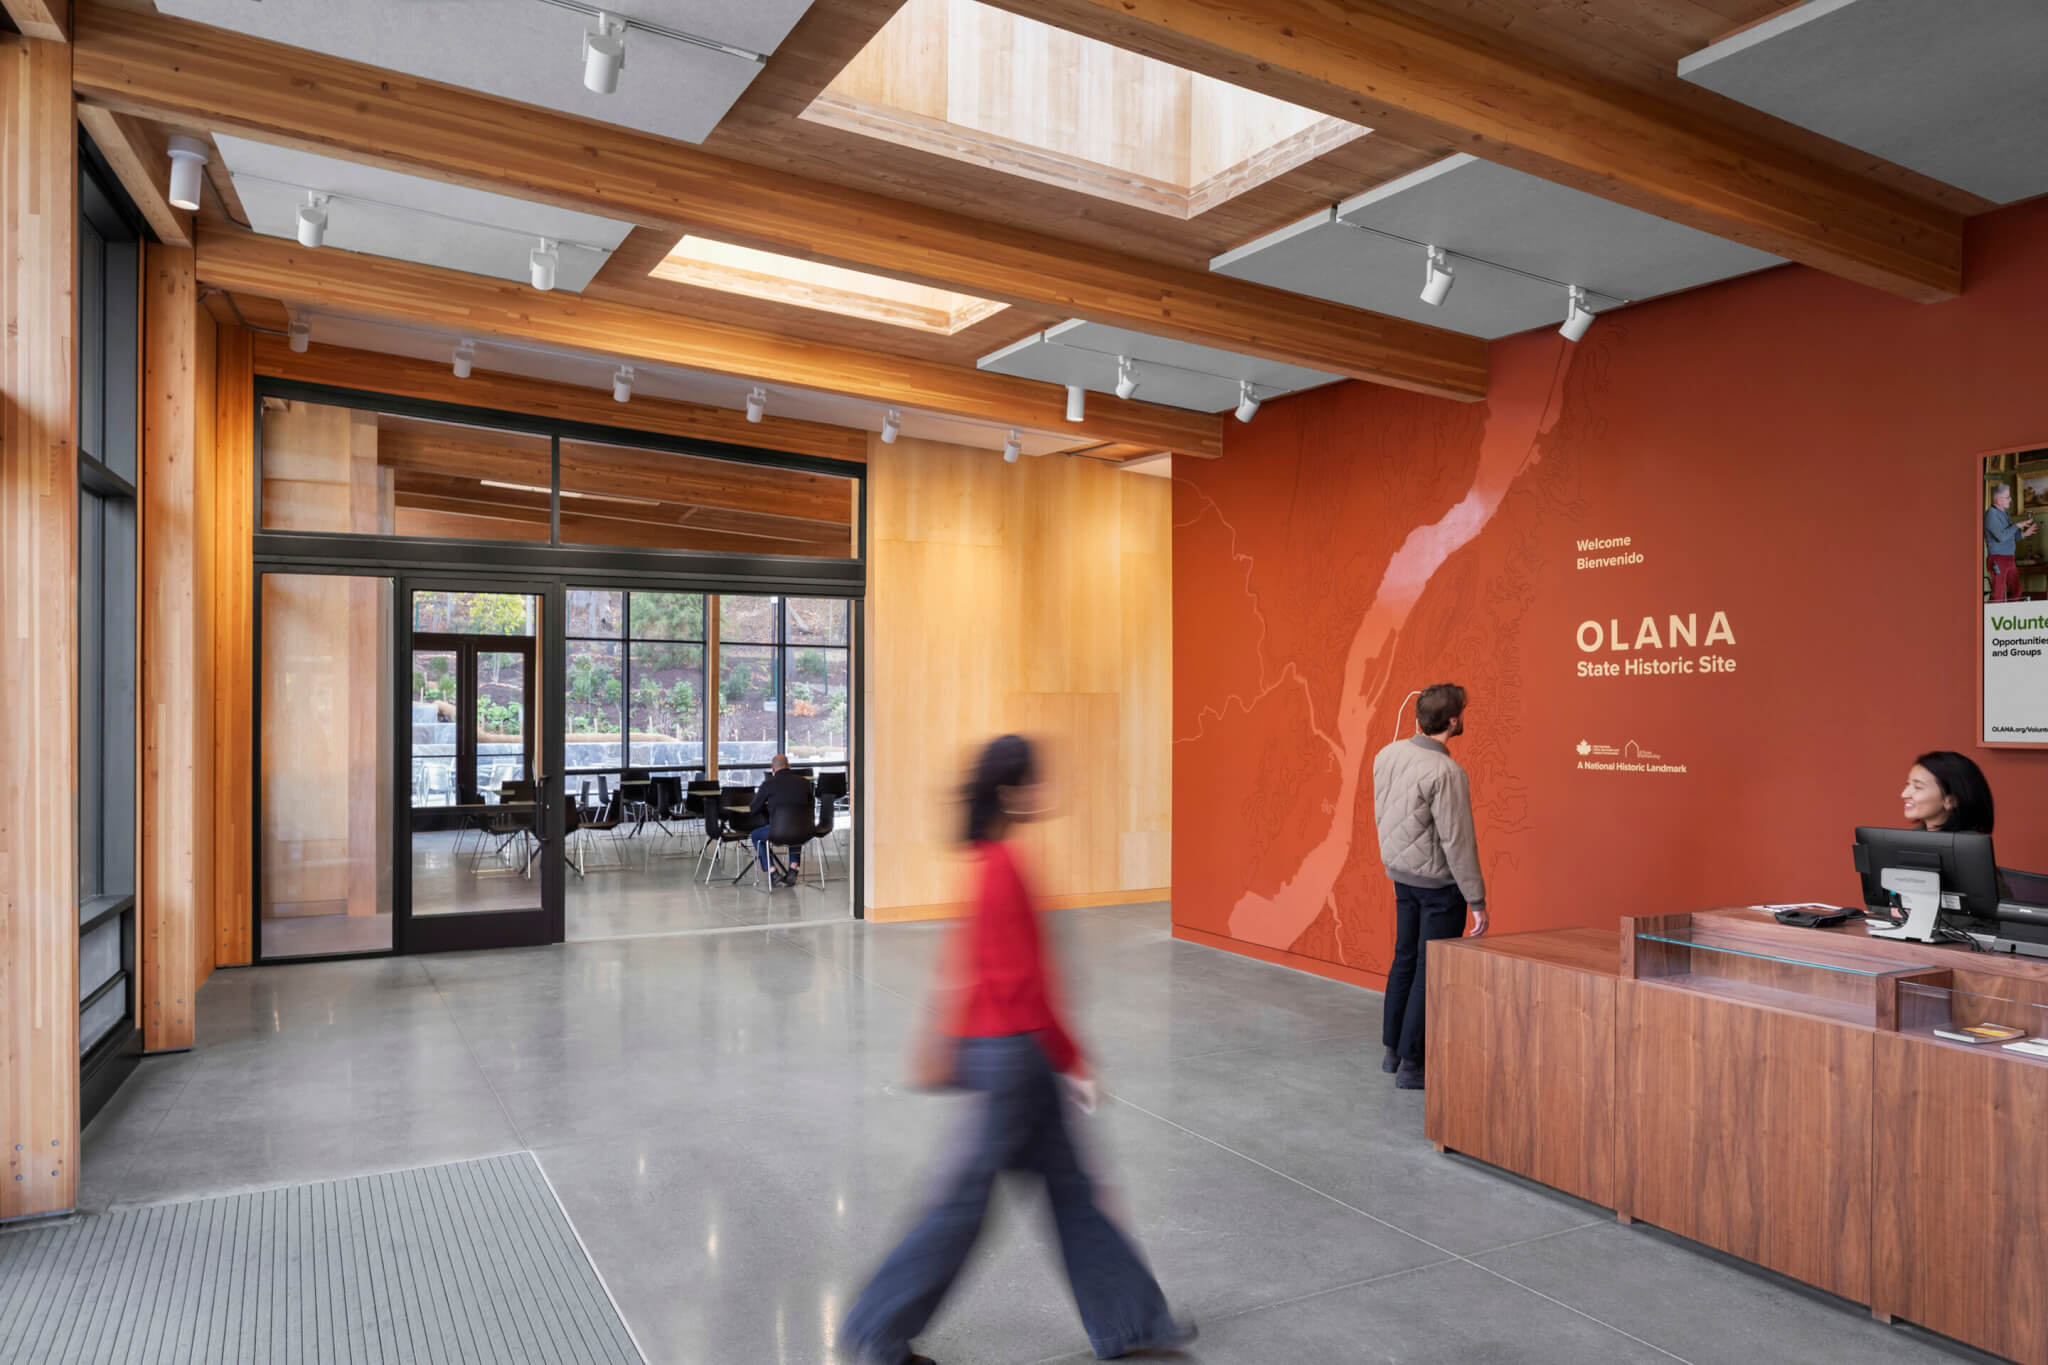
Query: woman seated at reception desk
point(1946, 792)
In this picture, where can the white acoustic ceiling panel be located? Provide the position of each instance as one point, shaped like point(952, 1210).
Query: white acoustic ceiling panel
point(1950, 88)
point(407, 218)
point(1178, 374)
point(532, 50)
point(1515, 243)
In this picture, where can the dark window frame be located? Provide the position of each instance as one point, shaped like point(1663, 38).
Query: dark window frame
point(108, 294)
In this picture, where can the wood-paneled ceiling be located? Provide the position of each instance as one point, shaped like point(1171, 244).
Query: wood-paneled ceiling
point(1624, 51)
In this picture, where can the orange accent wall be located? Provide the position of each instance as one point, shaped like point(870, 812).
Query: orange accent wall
point(1791, 450)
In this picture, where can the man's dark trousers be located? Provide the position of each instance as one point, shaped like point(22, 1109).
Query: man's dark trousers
point(1421, 914)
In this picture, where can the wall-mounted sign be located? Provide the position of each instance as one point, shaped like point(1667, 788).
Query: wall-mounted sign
point(2013, 537)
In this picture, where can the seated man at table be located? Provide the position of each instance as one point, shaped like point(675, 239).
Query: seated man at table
point(783, 789)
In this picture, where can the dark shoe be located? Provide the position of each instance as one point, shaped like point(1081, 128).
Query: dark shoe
point(1391, 1062)
point(1182, 1335)
point(1409, 1077)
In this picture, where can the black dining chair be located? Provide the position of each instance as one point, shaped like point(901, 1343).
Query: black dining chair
point(721, 831)
point(821, 834)
point(789, 829)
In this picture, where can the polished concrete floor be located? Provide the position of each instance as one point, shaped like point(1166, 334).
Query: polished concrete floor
point(722, 1116)
point(631, 884)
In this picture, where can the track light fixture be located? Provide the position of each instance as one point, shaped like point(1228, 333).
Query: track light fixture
point(1077, 402)
point(313, 220)
point(757, 403)
point(188, 157)
point(1577, 317)
point(604, 54)
point(622, 384)
point(1437, 278)
point(543, 262)
point(1126, 382)
point(892, 426)
point(300, 335)
point(1013, 446)
point(1247, 401)
point(465, 358)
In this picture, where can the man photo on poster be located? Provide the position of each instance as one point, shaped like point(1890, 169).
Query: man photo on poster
point(2002, 536)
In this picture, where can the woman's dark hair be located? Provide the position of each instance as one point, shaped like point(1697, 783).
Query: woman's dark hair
point(1007, 761)
point(1961, 779)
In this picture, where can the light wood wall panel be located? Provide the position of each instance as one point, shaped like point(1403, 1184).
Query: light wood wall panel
point(176, 901)
point(38, 631)
point(232, 618)
point(1032, 597)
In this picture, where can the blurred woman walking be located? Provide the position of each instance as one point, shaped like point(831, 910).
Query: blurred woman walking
point(999, 1036)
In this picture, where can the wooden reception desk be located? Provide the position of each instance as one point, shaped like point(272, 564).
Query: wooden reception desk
point(1775, 1093)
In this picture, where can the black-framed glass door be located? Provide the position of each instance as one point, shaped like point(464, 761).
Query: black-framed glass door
point(480, 828)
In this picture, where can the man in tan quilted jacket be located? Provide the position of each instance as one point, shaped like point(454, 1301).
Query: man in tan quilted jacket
point(1423, 805)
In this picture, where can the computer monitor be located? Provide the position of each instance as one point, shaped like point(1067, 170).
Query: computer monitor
point(1969, 870)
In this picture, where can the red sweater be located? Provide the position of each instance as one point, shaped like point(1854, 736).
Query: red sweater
point(1002, 963)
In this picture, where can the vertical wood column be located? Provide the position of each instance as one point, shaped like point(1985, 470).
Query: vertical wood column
point(38, 630)
point(233, 623)
point(176, 899)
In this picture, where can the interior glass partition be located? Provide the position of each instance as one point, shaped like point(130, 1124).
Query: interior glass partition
point(552, 669)
point(325, 769)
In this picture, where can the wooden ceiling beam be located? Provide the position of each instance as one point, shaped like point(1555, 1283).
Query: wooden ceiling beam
point(434, 382)
point(1401, 74)
point(139, 156)
point(475, 305)
point(192, 75)
point(49, 20)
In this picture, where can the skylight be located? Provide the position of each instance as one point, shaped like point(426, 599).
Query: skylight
point(966, 81)
point(808, 284)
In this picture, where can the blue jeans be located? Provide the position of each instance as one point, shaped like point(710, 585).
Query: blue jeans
point(1421, 915)
point(760, 838)
point(1020, 1125)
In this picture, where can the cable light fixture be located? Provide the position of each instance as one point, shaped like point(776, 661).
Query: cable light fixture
point(543, 262)
point(1013, 446)
point(892, 426)
point(1437, 277)
point(465, 358)
point(1077, 403)
point(1126, 380)
point(313, 219)
point(604, 54)
point(1577, 317)
point(757, 403)
point(622, 384)
point(300, 335)
point(188, 158)
point(1247, 401)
